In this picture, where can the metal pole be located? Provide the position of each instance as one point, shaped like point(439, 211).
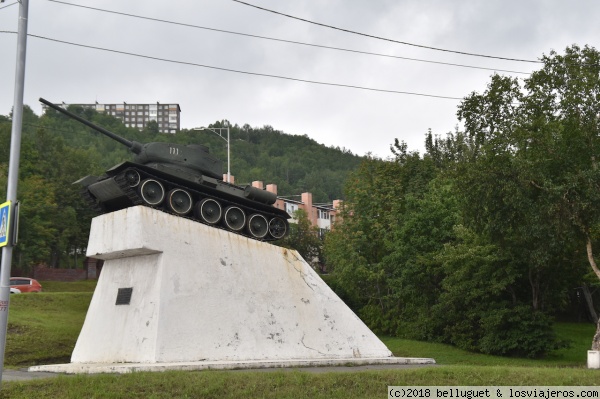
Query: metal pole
point(228, 158)
point(228, 145)
point(13, 172)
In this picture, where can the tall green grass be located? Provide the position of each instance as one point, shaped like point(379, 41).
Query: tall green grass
point(43, 327)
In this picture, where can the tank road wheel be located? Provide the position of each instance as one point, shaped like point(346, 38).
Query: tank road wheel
point(277, 228)
point(258, 226)
point(208, 210)
point(180, 201)
point(152, 192)
point(235, 218)
point(133, 177)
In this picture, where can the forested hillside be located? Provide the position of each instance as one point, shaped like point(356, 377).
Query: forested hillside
point(295, 163)
point(57, 151)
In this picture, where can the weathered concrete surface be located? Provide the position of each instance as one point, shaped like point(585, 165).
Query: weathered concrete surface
point(210, 298)
point(593, 361)
point(326, 364)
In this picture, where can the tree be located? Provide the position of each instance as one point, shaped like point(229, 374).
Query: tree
point(366, 251)
point(473, 244)
point(151, 128)
point(355, 249)
point(304, 238)
point(37, 229)
point(540, 140)
point(480, 308)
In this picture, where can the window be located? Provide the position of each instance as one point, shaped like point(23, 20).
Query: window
point(291, 208)
point(323, 214)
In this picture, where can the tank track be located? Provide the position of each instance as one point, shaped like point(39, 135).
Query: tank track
point(92, 201)
point(276, 226)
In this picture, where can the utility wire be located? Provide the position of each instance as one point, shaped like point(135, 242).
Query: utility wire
point(386, 39)
point(8, 5)
point(286, 41)
point(242, 72)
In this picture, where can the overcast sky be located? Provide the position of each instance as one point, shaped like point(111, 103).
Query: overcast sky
point(357, 119)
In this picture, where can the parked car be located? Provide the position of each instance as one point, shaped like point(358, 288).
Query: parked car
point(25, 284)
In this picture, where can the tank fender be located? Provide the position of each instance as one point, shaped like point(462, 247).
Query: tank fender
point(87, 180)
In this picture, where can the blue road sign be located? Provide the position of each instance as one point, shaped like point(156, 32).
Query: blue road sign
point(4, 223)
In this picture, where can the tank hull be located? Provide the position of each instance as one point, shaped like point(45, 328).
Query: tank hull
point(243, 210)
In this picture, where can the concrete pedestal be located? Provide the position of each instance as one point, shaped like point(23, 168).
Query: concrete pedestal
point(593, 360)
point(173, 291)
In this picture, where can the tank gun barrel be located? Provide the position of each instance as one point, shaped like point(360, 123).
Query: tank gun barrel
point(134, 146)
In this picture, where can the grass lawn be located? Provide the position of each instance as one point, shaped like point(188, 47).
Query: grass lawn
point(294, 384)
point(43, 329)
point(75, 286)
point(580, 336)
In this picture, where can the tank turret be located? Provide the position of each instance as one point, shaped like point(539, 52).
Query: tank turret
point(185, 180)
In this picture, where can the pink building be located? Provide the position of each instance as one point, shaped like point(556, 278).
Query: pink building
point(320, 215)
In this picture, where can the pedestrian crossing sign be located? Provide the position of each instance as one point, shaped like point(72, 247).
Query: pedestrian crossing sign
point(4, 223)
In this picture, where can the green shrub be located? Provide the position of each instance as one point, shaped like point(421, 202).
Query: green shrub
point(518, 332)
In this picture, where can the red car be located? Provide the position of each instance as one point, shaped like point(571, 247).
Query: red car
point(25, 284)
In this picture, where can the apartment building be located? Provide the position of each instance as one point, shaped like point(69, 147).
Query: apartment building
point(323, 216)
point(167, 116)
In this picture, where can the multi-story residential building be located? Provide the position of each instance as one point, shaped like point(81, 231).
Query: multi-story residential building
point(167, 116)
point(322, 216)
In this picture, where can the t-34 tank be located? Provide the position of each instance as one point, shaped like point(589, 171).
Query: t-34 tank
point(184, 180)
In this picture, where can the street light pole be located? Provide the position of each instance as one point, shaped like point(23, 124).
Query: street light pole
point(217, 131)
point(13, 172)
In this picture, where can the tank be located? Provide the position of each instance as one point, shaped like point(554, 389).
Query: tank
point(186, 181)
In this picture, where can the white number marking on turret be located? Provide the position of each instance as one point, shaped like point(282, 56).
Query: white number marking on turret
point(173, 151)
